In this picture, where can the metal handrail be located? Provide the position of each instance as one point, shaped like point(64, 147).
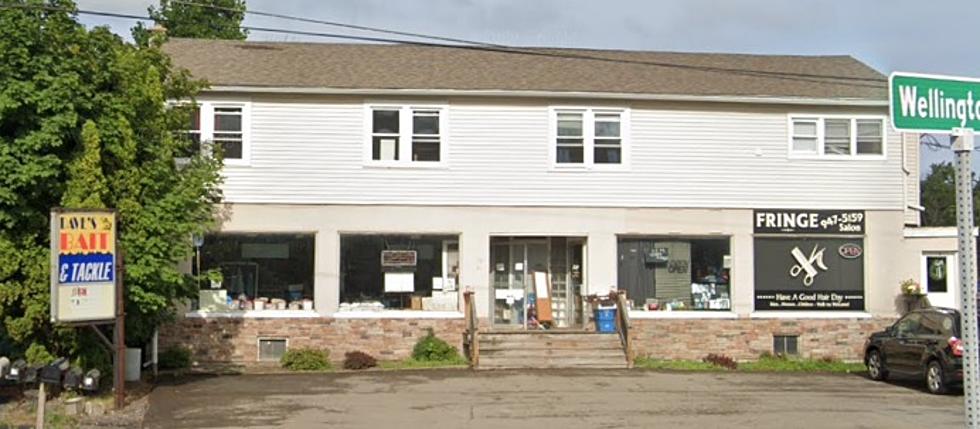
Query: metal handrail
point(472, 328)
point(623, 326)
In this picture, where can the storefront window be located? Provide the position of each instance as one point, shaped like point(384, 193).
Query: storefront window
point(257, 272)
point(670, 274)
point(407, 272)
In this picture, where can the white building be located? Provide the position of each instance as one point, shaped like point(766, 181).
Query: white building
point(744, 202)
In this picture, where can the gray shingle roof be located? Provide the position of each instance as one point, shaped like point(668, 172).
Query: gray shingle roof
point(408, 67)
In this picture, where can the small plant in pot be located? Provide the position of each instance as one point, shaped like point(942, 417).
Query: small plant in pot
point(913, 295)
point(215, 277)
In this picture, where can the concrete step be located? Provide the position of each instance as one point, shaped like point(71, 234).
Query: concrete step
point(568, 348)
point(546, 353)
point(522, 362)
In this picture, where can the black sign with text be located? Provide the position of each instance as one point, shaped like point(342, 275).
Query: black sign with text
point(808, 222)
point(814, 274)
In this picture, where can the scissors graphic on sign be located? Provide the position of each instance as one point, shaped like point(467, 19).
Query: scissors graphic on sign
point(805, 264)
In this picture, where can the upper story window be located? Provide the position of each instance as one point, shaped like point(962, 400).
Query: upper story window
point(407, 135)
point(837, 137)
point(228, 132)
point(587, 137)
point(225, 125)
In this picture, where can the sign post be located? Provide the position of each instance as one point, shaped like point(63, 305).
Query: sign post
point(950, 105)
point(85, 284)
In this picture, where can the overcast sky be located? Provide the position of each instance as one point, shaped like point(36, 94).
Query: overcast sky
point(937, 36)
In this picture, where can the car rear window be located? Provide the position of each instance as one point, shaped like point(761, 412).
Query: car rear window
point(937, 324)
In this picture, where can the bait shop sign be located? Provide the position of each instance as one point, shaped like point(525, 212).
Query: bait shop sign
point(83, 265)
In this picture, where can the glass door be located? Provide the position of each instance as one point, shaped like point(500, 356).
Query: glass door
point(530, 272)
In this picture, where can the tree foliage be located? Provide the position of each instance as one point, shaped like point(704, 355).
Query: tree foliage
point(84, 122)
point(197, 19)
point(938, 191)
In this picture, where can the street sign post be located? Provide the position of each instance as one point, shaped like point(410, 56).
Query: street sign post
point(950, 105)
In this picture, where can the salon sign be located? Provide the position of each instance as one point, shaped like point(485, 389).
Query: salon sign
point(83, 265)
point(847, 222)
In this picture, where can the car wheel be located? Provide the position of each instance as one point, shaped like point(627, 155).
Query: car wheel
point(876, 367)
point(935, 378)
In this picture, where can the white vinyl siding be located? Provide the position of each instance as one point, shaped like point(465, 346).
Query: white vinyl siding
point(312, 150)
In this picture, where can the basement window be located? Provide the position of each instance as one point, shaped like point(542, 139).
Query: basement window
point(271, 349)
point(785, 345)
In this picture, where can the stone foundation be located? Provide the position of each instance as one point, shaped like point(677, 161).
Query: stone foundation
point(235, 340)
point(746, 339)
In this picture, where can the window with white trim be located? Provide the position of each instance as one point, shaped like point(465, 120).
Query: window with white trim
point(228, 133)
point(837, 136)
point(224, 125)
point(407, 134)
point(588, 137)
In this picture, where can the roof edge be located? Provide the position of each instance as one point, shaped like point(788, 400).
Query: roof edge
point(859, 102)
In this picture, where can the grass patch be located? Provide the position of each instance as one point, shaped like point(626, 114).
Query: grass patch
point(674, 364)
point(778, 364)
point(764, 364)
point(417, 364)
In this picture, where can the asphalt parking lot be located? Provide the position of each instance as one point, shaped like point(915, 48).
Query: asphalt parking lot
point(547, 399)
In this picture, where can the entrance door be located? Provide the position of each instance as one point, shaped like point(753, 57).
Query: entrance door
point(939, 279)
point(515, 260)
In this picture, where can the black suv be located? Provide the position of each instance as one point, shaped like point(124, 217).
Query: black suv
point(924, 343)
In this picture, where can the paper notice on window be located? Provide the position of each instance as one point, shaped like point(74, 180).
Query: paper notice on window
point(437, 283)
point(399, 282)
point(388, 147)
point(541, 284)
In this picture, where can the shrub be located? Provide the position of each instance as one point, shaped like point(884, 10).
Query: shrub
point(359, 360)
point(431, 348)
point(36, 354)
point(721, 360)
point(176, 357)
point(306, 360)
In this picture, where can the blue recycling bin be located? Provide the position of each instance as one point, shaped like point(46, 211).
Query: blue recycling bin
point(605, 320)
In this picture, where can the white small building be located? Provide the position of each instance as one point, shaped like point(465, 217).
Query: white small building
point(745, 203)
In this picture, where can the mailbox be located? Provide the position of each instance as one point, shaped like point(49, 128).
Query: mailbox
point(91, 380)
point(31, 373)
point(4, 367)
point(73, 378)
point(17, 371)
point(53, 373)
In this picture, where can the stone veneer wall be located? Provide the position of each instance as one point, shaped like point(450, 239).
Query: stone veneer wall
point(235, 340)
point(746, 339)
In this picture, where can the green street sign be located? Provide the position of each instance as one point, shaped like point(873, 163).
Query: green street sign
point(931, 103)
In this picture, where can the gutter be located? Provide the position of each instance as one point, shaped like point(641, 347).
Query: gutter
point(851, 102)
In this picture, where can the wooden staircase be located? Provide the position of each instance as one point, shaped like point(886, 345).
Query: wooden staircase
point(550, 349)
point(495, 349)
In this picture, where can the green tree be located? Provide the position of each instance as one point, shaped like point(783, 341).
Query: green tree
point(84, 122)
point(197, 19)
point(938, 193)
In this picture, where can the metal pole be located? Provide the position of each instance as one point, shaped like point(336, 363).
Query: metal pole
point(963, 146)
point(119, 381)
